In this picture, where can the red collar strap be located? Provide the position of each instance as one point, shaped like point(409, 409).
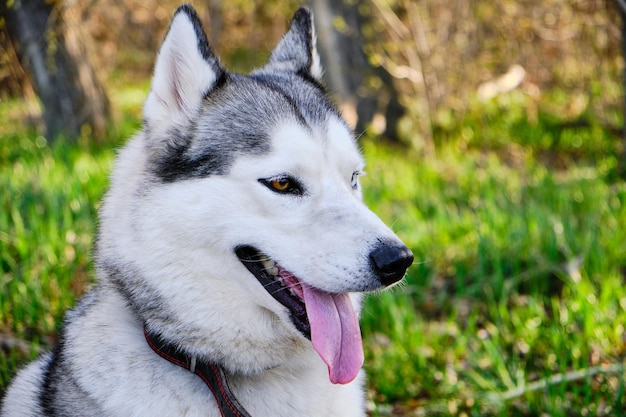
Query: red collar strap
point(212, 375)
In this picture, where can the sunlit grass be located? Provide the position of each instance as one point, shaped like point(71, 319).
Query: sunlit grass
point(515, 304)
point(48, 200)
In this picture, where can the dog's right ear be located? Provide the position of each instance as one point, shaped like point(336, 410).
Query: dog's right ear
point(297, 50)
point(186, 71)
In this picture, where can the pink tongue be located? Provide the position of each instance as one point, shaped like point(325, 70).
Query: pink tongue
point(335, 333)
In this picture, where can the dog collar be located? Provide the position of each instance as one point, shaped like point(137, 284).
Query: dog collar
point(212, 375)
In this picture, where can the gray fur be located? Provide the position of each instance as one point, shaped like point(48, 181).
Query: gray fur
point(285, 86)
point(188, 190)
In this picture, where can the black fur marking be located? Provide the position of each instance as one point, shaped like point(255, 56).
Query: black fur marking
point(119, 283)
point(303, 18)
point(220, 82)
point(49, 389)
point(174, 163)
point(179, 163)
point(309, 101)
point(122, 283)
point(145, 304)
point(265, 82)
point(306, 75)
point(60, 391)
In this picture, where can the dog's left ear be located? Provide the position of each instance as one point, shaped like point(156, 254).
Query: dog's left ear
point(185, 72)
point(296, 51)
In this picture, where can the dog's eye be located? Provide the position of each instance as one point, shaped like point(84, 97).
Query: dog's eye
point(355, 179)
point(283, 184)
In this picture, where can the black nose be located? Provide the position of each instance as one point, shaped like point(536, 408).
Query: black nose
point(390, 261)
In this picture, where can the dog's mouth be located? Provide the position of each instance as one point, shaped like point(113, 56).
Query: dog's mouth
point(279, 283)
point(327, 319)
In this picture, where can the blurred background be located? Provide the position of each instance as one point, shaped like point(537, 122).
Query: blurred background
point(494, 138)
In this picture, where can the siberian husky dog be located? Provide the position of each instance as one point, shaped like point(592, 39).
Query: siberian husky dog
point(232, 248)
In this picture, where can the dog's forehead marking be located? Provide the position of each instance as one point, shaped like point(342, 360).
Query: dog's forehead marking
point(341, 143)
point(296, 149)
point(318, 148)
point(295, 142)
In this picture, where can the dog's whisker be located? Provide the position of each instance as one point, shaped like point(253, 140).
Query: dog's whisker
point(272, 283)
point(279, 290)
point(282, 286)
point(257, 260)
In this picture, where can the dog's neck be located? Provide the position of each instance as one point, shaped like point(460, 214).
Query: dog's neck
point(212, 375)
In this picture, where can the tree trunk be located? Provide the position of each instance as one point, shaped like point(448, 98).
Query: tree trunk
point(53, 55)
point(347, 69)
point(214, 18)
point(621, 162)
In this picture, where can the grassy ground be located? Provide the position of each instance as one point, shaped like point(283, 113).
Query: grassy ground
point(516, 304)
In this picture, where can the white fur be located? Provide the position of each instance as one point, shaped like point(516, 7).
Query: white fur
point(317, 71)
point(175, 240)
point(186, 249)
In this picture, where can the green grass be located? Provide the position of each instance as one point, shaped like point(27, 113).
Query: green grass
point(516, 304)
point(48, 201)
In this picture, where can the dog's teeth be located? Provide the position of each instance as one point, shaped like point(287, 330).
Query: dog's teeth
point(270, 266)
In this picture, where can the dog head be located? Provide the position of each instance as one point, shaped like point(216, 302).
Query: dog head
point(238, 210)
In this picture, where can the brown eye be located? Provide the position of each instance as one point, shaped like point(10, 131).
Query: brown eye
point(280, 184)
point(283, 184)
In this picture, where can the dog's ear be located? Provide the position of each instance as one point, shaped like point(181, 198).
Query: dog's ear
point(185, 72)
point(296, 51)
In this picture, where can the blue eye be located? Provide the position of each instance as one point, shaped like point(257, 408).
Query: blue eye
point(355, 179)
